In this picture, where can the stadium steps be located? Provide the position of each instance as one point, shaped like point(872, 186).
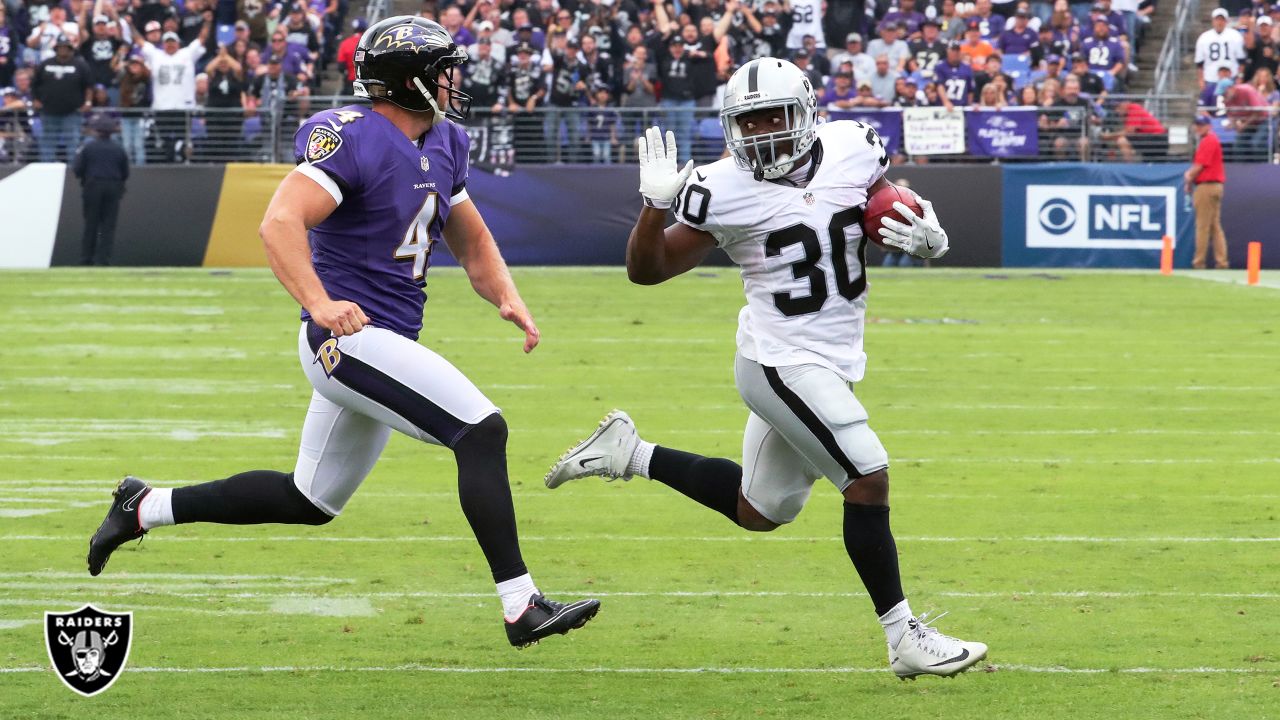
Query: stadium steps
point(1161, 21)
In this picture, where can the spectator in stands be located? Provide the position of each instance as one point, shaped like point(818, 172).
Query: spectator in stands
point(990, 96)
point(190, 19)
point(272, 92)
point(1090, 83)
point(804, 61)
point(526, 92)
point(1028, 96)
point(1002, 9)
point(929, 49)
point(1105, 57)
point(294, 59)
point(225, 104)
point(135, 97)
point(1050, 68)
point(102, 168)
point(884, 80)
point(950, 24)
point(638, 76)
point(45, 37)
point(1207, 174)
point(842, 95)
point(906, 16)
point(774, 28)
point(568, 91)
point(10, 47)
point(866, 98)
point(1262, 46)
point(158, 12)
point(994, 70)
point(603, 123)
point(486, 78)
point(1247, 112)
point(1102, 9)
point(173, 87)
point(1021, 39)
point(989, 26)
point(1033, 22)
point(1071, 127)
point(906, 92)
point(62, 91)
point(1219, 46)
point(152, 33)
point(1126, 12)
point(300, 36)
point(451, 19)
point(1134, 132)
point(890, 46)
point(974, 48)
point(954, 77)
point(347, 53)
point(933, 96)
point(1066, 31)
point(103, 53)
point(863, 64)
point(599, 64)
point(678, 95)
point(485, 31)
point(818, 58)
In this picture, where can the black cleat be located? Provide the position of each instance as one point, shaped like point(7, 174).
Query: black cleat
point(546, 617)
point(121, 524)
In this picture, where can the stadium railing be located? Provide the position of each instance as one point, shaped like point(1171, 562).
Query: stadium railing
point(1248, 134)
point(1178, 42)
point(564, 135)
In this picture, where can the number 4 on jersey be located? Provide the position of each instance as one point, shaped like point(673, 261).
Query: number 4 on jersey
point(417, 239)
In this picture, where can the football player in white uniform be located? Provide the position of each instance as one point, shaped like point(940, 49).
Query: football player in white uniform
point(787, 208)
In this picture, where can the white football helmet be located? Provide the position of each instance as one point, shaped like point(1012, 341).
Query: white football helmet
point(770, 83)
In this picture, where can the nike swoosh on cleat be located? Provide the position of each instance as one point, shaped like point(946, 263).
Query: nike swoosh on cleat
point(928, 244)
point(128, 504)
point(963, 655)
point(583, 463)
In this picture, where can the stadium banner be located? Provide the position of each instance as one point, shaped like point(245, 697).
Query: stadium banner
point(933, 131)
point(887, 124)
point(165, 217)
point(246, 190)
point(967, 201)
point(1095, 215)
point(30, 197)
point(1002, 133)
point(1249, 212)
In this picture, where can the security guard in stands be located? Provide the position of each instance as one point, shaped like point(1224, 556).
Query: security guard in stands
point(102, 167)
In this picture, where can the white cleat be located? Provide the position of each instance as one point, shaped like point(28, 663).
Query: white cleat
point(925, 651)
point(605, 454)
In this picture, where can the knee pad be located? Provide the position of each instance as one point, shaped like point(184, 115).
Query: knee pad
point(487, 436)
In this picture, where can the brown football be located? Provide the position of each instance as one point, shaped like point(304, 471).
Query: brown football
point(880, 206)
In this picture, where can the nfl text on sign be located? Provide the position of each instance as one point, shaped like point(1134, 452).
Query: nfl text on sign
point(1099, 216)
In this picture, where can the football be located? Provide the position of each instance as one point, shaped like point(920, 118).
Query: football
point(880, 206)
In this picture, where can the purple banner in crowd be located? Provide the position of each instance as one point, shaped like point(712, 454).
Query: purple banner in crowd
point(887, 123)
point(1001, 133)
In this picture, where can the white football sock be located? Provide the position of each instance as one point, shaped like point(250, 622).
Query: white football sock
point(156, 508)
point(639, 464)
point(895, 622)
point(515, 594)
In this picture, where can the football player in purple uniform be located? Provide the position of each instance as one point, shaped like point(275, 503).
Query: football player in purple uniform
point(349, 234)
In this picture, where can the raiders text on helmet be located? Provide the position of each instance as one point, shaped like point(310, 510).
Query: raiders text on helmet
point(770, 83)
point(400, 59)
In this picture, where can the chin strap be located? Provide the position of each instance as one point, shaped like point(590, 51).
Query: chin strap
point(757, 170)
point(436, 115)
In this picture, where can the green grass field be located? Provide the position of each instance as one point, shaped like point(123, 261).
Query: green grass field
point(1084, 472)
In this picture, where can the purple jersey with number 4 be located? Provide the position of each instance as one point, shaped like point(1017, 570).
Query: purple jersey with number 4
point(393, 195)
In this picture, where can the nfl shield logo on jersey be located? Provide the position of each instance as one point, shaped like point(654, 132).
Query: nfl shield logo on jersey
point(88, 647)
point(425, 165)
point(808, 198)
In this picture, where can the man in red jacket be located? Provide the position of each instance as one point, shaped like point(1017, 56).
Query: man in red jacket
point(347, 53)
point(1207, 173)
point(1136, 131)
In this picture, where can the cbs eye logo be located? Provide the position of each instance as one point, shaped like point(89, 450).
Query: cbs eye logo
point(1057, 217)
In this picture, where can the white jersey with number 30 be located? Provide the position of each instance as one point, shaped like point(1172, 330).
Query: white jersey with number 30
point(801, 249)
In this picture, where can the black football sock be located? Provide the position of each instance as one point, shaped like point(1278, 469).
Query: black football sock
point(714, 482)
point(485, 494)
point(870, 545)
point(250, 498)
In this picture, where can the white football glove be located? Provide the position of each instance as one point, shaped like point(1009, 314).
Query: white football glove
point(924, 237)
point(660, 182)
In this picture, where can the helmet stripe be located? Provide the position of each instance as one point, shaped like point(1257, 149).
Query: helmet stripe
point(753, 77)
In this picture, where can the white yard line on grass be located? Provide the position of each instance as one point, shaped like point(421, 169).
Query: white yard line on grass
point(706, 670)
point(593, 537)
point(229, 593)
point(127, 576)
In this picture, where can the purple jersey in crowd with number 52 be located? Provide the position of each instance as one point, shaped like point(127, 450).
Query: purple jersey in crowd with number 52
point(393, 198)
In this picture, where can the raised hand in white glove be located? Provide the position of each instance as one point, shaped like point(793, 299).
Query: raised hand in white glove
point(923, 237)
point(660, 181)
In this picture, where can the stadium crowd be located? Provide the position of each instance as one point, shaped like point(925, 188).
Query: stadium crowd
point(565, 75)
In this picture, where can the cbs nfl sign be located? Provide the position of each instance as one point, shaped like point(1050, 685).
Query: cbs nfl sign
point(1100, 216)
